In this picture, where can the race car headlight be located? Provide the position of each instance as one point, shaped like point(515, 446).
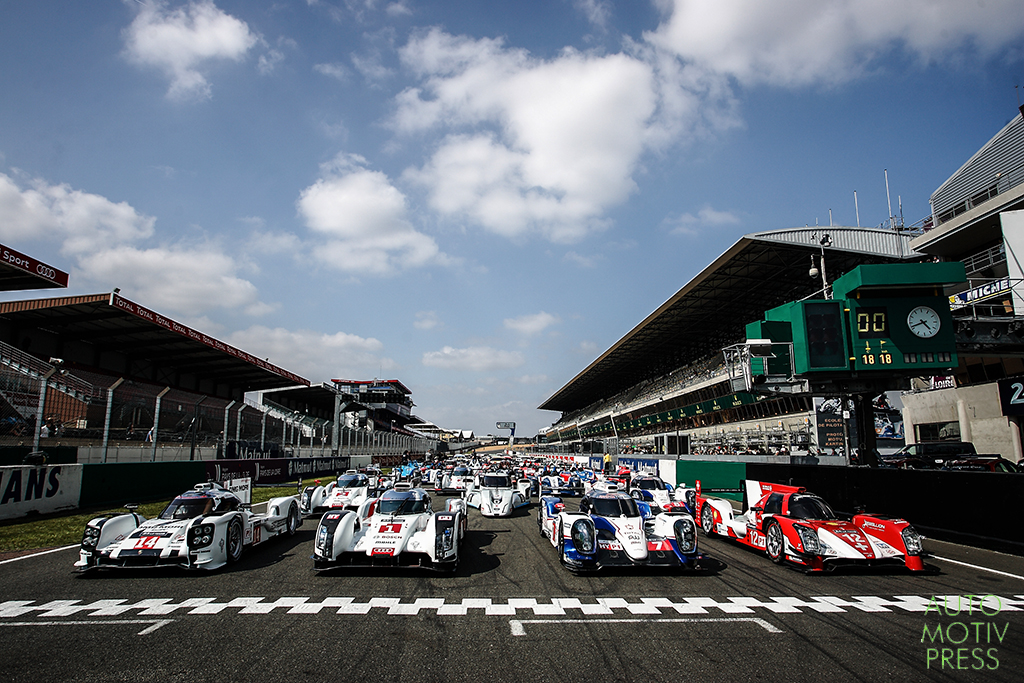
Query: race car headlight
point(691, 500)
point(686, 535)
point(912, 541)
point(445, 542)
point(583, 536)
point(809, 539)
point(324, 541)
point(200, 536)
point(92, 535)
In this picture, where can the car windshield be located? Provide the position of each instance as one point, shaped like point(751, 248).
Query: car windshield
point(187, 508)
point(619, 506)
point(404, 505)
point(496, 481)
point(351, 481)
point(810, 507)
point(461, 471)
point(650, 484)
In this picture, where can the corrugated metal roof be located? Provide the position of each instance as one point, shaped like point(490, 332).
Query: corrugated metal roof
point(872, 241)
point(1002, 154)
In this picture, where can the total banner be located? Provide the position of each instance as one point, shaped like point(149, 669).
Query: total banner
point(42, 489)
point(275, 470)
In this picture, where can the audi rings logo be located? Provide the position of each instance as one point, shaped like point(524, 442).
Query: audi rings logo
point(46, 271)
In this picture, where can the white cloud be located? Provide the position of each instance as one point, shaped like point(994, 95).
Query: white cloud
point(526, 152)
point(317, 356)
point(532, 379)
point(186, 280)
point(427, 320)
point(81, 221)
point(98, 235)
point(334, 70)
point(597, 12)
point(181, 41)
point(580, 259)
point(531, 324)
point(474, 358)
point(371, 67)
point(799, 42)
point(269, 61)
point(707, 217)
point(364, 221)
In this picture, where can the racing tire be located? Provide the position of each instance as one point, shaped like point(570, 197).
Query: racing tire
point(774, 543)
point(561, 544)
point(235, 540)
point(707, 520)
point(292, 525)
point(540, 523)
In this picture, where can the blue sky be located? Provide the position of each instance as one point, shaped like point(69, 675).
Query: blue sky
point(476, 198)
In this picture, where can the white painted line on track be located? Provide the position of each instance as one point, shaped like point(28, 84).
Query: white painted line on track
point(974, 566)
point(154, 624)
point(44, 552)
point(516, 625)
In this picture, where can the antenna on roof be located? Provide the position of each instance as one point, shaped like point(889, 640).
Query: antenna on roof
point(856, 207)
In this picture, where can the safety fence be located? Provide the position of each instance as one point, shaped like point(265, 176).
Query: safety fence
point(110, 419)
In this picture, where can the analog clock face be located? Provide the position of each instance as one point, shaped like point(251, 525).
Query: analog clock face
point(924, 322)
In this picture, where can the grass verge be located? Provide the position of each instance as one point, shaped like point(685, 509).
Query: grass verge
point(54, 531)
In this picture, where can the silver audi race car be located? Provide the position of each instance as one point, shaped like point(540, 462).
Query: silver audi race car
point(399, 529)
point(204, 528)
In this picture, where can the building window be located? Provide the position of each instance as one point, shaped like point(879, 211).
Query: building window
point(937, 431)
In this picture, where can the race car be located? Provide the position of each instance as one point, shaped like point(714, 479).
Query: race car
point(204, 528)
point(349, 492)
point(662, 497)
point(399, 529)
point(612, 529)
point(312, 499)
point(562, 484)
point(494, 494)
point(453, 480)
point(790, 524)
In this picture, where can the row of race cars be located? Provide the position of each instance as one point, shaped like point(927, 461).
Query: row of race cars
point(368, 518)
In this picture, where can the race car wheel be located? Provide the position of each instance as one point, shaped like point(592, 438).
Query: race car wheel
point(293, 520)
point(234, 540)
point(707, 520)
point(561, 544)
point(540, 523)
point(774, 542)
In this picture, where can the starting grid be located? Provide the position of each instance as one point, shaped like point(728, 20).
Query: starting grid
point(512, 607)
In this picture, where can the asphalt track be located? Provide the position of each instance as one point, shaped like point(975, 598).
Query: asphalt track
point(512, 613)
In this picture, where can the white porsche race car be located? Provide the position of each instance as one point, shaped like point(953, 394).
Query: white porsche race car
point(204, 528)
point(399, 529)
point(495, 496)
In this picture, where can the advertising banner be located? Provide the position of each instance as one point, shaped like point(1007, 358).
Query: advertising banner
point(39, 489)
point(275, 470)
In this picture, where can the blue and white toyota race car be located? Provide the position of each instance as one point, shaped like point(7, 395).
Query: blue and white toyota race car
point(495, 496)
point(661, 496)
point(204, 528)
point(612, 529)
point(399, 529)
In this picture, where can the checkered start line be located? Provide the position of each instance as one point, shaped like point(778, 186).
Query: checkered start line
point(511, 607)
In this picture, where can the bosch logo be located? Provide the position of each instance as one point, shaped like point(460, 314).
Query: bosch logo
point(46, 271)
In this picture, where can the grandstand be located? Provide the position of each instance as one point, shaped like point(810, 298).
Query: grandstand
point(662, 388)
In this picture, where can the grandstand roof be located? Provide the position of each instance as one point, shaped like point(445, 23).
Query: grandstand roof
point(113, 334)
point(18, 272)
point(760, 271)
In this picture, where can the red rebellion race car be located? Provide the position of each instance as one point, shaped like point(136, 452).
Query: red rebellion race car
point(788, 523)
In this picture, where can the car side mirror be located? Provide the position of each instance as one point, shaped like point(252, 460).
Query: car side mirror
point(757, 509)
